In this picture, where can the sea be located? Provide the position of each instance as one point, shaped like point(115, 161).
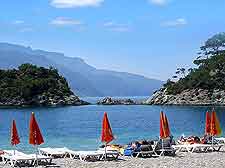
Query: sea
point(79, 127)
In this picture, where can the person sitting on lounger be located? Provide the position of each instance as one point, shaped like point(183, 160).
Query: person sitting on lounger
point(190, 140)
point(206, 139)
point(131, 148)
point(135, 145)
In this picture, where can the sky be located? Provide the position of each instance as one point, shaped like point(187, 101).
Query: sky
point(148, 37)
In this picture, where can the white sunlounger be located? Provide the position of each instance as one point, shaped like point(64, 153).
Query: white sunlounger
point(54, 152)
point(93, 155)
point(169, 150)
point(148, 152)
point(220, 140)
point(40, 157)
point(163, 151)
point(85, 155)
point(109, 153)
point(16, 157)
point(182, 147)
point(216, 147)
point(200, 147)
point(196, 147)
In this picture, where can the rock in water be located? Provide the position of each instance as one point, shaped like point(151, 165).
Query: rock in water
point(111, 101)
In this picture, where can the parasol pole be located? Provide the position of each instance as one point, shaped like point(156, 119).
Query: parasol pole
point(14, 151)
point(36, 155)
point(212, 142)
point(105, 151)
point(162, 148)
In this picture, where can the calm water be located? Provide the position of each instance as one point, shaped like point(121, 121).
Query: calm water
point(80, 127)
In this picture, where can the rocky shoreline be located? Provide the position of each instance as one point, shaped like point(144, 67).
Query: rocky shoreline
point(196, 96)
point(43, 100)
point(114, 101)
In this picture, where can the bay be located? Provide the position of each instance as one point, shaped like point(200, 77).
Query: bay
point(79, 127)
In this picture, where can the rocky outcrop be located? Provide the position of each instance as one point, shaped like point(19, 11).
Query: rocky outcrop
point(30, 85)
point(188, 97)
point(111, 101)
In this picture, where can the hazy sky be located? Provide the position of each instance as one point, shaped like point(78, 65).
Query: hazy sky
point(148, 37)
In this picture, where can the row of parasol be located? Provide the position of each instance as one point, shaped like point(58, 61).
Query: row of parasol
point(36, 138)
point(212, 128)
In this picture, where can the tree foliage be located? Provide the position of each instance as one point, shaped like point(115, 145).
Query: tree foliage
point(30, 81)
point(210, 71)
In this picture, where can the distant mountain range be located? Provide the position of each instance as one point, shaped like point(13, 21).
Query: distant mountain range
point(84, 79)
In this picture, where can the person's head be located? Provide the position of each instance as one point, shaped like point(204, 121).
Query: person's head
point(137, 143)
point(134, 145)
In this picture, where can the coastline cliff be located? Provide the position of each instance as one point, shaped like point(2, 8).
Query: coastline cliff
point(203, 85)
point(196, 96)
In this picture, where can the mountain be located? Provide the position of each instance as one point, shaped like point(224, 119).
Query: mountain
point(84, 79)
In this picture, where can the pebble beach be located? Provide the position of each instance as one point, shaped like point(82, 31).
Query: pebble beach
point(181, 160)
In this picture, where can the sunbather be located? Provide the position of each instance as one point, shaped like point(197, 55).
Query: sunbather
point(189, 140)
point(206, 139)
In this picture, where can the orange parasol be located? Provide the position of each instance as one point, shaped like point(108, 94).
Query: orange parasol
point(164, 126)
point(107, 135)
point(162, 135)
point(215, 125)
point(207, 123)
point(35, 136)
point(15, 140)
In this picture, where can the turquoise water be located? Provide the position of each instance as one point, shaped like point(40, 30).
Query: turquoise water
point(80, 127)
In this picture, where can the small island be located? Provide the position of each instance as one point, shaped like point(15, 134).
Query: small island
point(203, 85)
point(30, 85)
point(115, 101)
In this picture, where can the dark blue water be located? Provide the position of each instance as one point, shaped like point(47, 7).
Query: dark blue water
point(80, 127)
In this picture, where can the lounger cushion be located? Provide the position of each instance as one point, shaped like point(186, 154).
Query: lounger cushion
point(128, 152)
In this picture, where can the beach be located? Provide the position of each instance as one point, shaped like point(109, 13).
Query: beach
point(181, 160)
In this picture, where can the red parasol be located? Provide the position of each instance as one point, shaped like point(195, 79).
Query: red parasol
point(107, 135)
point(35, 136)
point(207, 123)
point(215, 125)
point(15, 140)
point(164, 126)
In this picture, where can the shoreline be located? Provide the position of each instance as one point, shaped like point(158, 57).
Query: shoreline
point(95, 104)
point(114, 101)
point(41, 106)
